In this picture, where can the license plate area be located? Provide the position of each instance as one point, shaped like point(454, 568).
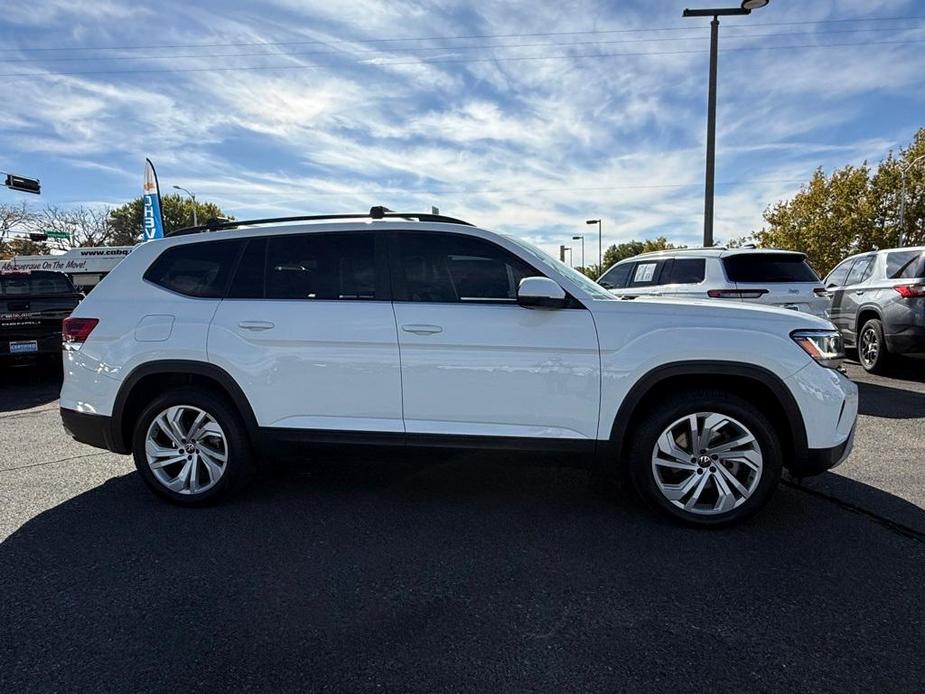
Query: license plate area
point(24, 347)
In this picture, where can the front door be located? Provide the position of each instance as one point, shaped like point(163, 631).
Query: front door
point(473, 362)
point(309, 334)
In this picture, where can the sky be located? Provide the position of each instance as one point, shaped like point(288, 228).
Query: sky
point(525, 117)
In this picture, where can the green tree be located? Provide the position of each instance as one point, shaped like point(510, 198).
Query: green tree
point(177, 211)
point(851, 211)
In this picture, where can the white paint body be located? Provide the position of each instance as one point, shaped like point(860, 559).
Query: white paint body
point(489, 370)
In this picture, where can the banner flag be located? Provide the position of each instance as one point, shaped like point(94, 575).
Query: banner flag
point(153, 221)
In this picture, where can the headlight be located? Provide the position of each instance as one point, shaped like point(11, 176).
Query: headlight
point(825, 346)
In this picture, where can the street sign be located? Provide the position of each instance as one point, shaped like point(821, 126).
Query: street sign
point(55, 234)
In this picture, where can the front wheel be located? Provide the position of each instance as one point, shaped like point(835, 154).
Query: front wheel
point(189, 447)
point(709, 458)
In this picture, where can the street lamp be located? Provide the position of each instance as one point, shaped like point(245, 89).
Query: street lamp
point(576, 238)
point(193, 198)
point(600, 246)
point(902, 200)
point(746, 8)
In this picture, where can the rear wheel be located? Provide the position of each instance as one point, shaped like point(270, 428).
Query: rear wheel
point(189, 447)
point(872, 350)
point(710, 458)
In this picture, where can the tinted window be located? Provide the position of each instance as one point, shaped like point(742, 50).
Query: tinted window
point(687, 271)
point(248, 281)
point(321, 266)
point(616, 277)
point(902, 264)
point(35, 284)
point(768, 267)
point(838, 276)
point(452, 268)
point(861, 270)
point(646, 273)
point(196, 269)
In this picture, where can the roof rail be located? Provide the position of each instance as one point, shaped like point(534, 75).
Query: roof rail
point(378, 212)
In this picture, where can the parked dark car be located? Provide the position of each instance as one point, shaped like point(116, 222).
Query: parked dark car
point(878, 303)
point(32, 307)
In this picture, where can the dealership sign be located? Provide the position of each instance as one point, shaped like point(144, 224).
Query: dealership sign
point(77, 260)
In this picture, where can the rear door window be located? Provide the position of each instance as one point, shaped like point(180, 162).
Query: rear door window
point(646, 273)
point(321, 266)
point(861, 270)
point(902, 264)
point(196, 269)
point(687, 271)
point(768, 267)
point(616, 277)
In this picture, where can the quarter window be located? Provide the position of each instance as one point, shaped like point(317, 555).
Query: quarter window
point(195, 269)
point(687, 271)
point(905, 264)
point(451, 268)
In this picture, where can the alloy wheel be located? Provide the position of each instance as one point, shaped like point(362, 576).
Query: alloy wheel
point(870, 346)
point(186, 449)
point(707, 463)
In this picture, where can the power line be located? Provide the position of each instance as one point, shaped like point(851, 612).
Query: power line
point(545, 44)
point(442, 38)
point(438, 61)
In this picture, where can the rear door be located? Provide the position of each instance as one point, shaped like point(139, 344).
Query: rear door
point(784, 280)
point(307, 331)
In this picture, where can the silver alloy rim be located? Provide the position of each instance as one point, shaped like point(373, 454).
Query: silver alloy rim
point(870, 346)
point(186, 449)
point(707, 463)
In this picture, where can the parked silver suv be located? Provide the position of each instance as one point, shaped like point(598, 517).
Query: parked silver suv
point(878, 304)
point(760, 276)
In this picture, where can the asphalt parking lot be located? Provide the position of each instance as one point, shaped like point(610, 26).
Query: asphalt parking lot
point(462, 575)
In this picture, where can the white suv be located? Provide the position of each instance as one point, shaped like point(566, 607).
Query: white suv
point(761, 276)
point(205, 352)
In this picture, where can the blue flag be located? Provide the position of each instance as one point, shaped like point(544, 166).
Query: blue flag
point(152, 221)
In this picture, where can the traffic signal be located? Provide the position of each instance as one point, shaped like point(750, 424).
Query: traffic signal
point(38, 236)
point(23, 184)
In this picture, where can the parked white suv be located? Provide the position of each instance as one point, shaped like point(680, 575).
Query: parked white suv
point(203, 353)
point(760, 276)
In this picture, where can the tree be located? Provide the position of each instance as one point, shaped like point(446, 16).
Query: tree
point(23, 245)
point(84, 226)
point(620, 251)
point(851, 210)
point(13, 219)
point(177, 211)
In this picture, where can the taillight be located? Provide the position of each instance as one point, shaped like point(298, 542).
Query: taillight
point(910, 291)
point(736, 293)
point(75, 331)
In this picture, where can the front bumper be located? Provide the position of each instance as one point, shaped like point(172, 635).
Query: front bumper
point(91, 429)
point(818, 460)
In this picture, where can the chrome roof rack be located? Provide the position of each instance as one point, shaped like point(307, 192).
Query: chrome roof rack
point(378, 212)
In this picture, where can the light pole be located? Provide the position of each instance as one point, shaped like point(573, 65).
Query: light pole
point(576, 238)
point(902, 199)
point(746, 8)
point(600, 246)
point(193, 198)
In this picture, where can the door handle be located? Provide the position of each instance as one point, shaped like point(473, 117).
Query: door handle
point(255, 325)
point(859, 291)
point(419, 329)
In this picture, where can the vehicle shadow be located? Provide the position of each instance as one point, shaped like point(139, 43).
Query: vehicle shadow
point(30, 385)
point(462, 575)
point(885, 401)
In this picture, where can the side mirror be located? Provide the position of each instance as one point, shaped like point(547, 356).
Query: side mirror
point(540, 292)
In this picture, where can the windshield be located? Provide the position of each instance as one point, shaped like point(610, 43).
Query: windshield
point(543, 258)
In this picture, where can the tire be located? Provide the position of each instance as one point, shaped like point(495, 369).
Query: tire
point(755, 464)
point(192, 472)
point(872, 350)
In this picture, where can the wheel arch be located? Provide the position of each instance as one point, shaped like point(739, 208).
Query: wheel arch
point(754, 383)
point(153, 378)
point(865, 313)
